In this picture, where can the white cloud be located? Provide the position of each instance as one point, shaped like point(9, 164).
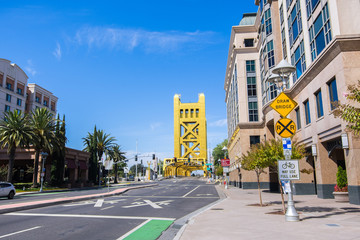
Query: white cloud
point(129, 39)
point(219, 123)
point(154, 126)
point(57, 51)
point(30, 67)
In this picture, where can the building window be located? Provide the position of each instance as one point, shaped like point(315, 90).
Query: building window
point(298, 119)
point(320, 33)
point(9, 86)
point(18, 111)
point(18, 102)
point(273, 91)
point(250, 66)
point(281, 14)
point(45, 103)
point(8, 97)
point(37, 99)
point(333, 94)
point(249, 42)
point(254, 140)
point(307, 112)
point(310, 6)
point(253, 112)
point(319, 104)
point(19, 91)
point(268, 26)
point(295, 25)
point(283, 43)
point(270, 53)
point(298, 60)
point(288, 3)
point(251, 86)
point(7, 108)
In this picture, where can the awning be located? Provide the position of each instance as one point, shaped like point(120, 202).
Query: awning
point(83, 165)
point(70, 163)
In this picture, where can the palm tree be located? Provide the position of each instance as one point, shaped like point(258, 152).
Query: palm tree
point(90, 143)
point(15, 132)
point(97, 143)
point(44, 139)
point(118, 156)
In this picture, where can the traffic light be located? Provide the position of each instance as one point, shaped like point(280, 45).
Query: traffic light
point(175, 160)
point(203, 163)
point(135, 157)
point(141, 161)
point(153, 156)
point(188, 159)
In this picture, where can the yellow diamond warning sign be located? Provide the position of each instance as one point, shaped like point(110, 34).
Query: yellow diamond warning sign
point(285, 127)
point(283, 104)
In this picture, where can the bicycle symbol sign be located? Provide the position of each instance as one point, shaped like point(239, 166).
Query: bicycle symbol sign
point(288, 169)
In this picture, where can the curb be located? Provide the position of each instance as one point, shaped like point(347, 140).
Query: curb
point(71, 199)
point(176, 230)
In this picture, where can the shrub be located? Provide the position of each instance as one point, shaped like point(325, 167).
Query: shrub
point(341, 180)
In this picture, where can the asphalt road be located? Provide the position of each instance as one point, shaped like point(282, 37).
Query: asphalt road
point(137, 214)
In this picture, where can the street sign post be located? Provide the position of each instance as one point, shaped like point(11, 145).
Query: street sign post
point(126, 169)
point(225, 162)
point(285, 127)
point(288, 169)
point(287, 148)
point(283, 104)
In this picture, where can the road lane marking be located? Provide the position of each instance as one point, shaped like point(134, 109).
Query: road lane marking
point(162, 197)
point(99, 203)
point(191, 191)
point(150, 203)
point(154, 205)
point(107, 208)
point(93, 202)
point(85, 216)
point(133, 230)
point(25, 230)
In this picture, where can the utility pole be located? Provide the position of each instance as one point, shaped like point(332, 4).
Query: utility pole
point(136, 160)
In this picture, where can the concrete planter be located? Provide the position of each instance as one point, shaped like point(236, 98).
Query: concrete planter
point(341, 196)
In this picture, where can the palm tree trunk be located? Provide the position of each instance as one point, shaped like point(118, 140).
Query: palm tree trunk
point(11, 164)
point(36, 168)
point(116, 168)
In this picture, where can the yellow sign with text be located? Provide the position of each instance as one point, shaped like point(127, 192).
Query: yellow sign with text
point(283, 104)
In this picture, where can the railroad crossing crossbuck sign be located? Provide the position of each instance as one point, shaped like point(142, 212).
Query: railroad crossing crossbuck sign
point(283, 104)
point(285, 127)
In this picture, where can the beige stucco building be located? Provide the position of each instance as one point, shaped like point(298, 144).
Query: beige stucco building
point(321, 38)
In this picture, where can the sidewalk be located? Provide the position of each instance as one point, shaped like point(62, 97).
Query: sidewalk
point(12, 207)
point(233, 218)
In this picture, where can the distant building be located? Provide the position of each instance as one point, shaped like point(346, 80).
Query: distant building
point(38, 97)
point(321, 38)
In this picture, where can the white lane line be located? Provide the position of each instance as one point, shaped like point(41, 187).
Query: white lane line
point(86, 216)
point(99, 203)
point(191, 191)
point(25, 230)
point(107, 208)
point(133, 230)
point(154, 205)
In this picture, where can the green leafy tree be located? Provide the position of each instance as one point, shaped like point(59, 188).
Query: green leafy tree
point(341, 180)
point(43, 127)
point(218, 153)
point(348, 112)
point(266, 154)
point(15, 132)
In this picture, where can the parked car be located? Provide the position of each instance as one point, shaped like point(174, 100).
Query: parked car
point(7, 190)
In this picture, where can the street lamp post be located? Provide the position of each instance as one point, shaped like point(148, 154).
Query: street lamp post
point(43, 159)
point(280, 76)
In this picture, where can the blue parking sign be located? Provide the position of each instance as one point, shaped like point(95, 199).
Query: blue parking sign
point(286, 143)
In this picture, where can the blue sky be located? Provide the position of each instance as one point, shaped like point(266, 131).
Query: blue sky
point(118, 64)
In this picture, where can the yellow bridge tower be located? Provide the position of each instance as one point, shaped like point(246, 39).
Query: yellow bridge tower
point(190, 142)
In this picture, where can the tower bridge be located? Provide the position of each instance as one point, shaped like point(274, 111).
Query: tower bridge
point(190, 141)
